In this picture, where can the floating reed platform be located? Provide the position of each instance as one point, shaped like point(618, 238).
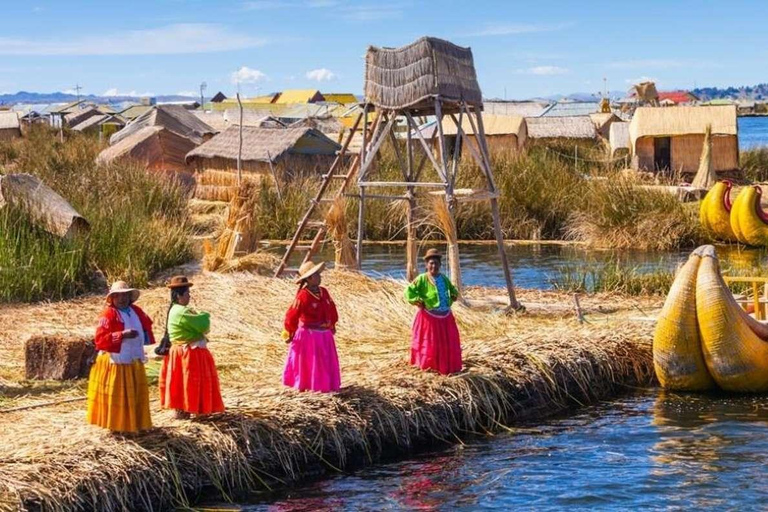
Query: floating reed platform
point(516, 367)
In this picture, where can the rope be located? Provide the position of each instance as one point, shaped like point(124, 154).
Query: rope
point(44, 404)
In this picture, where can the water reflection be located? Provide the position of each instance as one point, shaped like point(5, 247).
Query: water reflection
point(651, 450)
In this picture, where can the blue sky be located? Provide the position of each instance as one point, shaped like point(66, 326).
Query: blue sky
point(521, 49)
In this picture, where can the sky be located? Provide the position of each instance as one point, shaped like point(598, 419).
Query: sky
point(521, 49)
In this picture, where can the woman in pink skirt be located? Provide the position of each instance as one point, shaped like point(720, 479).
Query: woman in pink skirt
point(310, 324)
point(435, 343)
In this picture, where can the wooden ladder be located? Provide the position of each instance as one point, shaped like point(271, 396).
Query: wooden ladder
point(311, 221)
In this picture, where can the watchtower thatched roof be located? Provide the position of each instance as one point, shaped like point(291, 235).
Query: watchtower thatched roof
point(265, 144)
point(412, 76)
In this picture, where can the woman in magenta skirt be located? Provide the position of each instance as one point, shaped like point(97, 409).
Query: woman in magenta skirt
point(435, 343)
point(310, 324)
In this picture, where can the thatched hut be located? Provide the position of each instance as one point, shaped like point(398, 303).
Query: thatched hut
point(413, 76)
point(10, 127)
point(603, 122)
point(672, 138)
point(567, 127)
point(502, 133)
point(173, 118)
point(266, 152)
point(155, 147)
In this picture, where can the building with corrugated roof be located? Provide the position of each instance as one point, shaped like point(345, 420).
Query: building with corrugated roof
point(290, 96)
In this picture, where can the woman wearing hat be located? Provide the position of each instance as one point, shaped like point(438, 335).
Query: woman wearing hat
point(310, 324)
point(435, 343)
point(188, 379)
point(118, 396)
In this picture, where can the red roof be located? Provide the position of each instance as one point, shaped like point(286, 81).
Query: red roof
point(677, 97)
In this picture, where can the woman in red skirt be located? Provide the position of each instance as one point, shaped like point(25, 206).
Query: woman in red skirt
point(435, 343)
point(188, 379)
point(309, 326)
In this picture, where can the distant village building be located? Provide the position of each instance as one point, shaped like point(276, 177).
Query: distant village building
point(105, 125)
point(502, 133)
point(674, 98)
point(672, 138)
point(515, 108)
point(603, 122)
point(567, 127)
point(299, 96)
point(618, 138)
point(218, 97)
point(10, 126)
point(343, 98)
point(135, 111)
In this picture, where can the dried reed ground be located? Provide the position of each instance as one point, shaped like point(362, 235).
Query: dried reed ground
point(516, 367)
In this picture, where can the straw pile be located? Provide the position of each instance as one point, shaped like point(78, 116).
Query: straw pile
point(336, 220)
point(705, 177)
point(519, 367)
point(447, 224)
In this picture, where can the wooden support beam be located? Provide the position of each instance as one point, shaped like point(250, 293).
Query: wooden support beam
point(400, 184)
point(427, 149)
point(377, 141)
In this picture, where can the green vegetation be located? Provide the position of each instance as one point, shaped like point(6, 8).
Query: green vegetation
point(138, 221)
point(754, 163)
point(612, 278)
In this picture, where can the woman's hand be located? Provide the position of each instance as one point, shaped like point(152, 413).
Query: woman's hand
point(130, 334)
point(419, 304)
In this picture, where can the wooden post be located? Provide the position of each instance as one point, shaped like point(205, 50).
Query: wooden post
point(495, 212)
point(410, 245)
point(453, 245)
point(240, 144)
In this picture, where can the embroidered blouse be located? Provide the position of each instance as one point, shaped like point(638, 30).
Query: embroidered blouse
point(311, 310)
point(436, 294)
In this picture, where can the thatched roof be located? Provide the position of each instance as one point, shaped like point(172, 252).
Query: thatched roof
point(493, 125)
point(325, 124)
point(411, 76)
point(125, 145)
point(75, 118)
point(265, 144)
point(213, 119)
point(290, 96)
point(259, 118)
point(571, 127)
point(9, 120)
point(174, 118)
point(91, 121)
point(671, 121)
point(619, 136)
point(515, 108)
point(600, 119)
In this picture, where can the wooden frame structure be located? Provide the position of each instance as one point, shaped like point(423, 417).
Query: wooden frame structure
point(445, 163)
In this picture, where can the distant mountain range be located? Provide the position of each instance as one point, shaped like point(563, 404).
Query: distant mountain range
point(752, 92)
point(61, 97)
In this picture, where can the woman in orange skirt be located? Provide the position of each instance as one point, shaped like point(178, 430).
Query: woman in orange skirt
point(118, 396)
point(435, 342)
point(188, 379)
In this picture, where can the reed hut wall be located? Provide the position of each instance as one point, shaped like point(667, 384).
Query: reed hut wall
point(685, 152)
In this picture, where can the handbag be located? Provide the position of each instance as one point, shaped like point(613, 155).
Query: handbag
point(164, 346)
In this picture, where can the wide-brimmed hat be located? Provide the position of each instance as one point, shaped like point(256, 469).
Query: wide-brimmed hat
point(122, 287)
point(179, 282)
point(308, 268)
point(432, 253)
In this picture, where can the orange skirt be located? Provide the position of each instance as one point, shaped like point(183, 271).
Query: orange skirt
point(189, 382)
point(118, 396)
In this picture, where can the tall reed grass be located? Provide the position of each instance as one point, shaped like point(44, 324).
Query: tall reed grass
point(138, 221)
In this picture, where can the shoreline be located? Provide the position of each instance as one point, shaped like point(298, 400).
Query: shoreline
point(516, 369)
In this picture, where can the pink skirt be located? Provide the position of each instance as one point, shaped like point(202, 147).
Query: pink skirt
point(312, 363)
point(435, 343)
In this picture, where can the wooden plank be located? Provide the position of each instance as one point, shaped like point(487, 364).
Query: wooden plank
point(379, 140)
point(377, 196)
point(400, 184)
point(424, 145)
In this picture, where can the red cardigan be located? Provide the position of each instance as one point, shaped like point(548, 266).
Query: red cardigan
point(109, 333)
point(312, 311)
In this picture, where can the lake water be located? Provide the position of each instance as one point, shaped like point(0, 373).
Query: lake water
point(538, 265)
point(649, 450)
point(753, 132)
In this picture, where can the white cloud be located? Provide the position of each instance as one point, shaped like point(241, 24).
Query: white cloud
point(246, 75)
point(113, 91)
point(506, 29)
point(170, 39)
point(543, 70)
point(321, 75)
point(191, 94)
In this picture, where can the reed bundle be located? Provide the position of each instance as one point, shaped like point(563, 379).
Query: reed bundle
point(240, 236)
point(447, 224)
point(336, 220)
point(519, 367)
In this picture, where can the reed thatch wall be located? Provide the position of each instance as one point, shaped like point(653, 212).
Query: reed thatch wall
point(154, 147)
point(411, 76)
point(566, 127)
point(685, 152)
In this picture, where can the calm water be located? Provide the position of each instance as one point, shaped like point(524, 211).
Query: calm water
point(650, 450)
point(753, 132)
point(536, 266)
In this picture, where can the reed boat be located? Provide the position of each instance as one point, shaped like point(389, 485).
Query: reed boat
point(702, 329)
point(715, 212)
point(749, 221)
point(677, 355)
